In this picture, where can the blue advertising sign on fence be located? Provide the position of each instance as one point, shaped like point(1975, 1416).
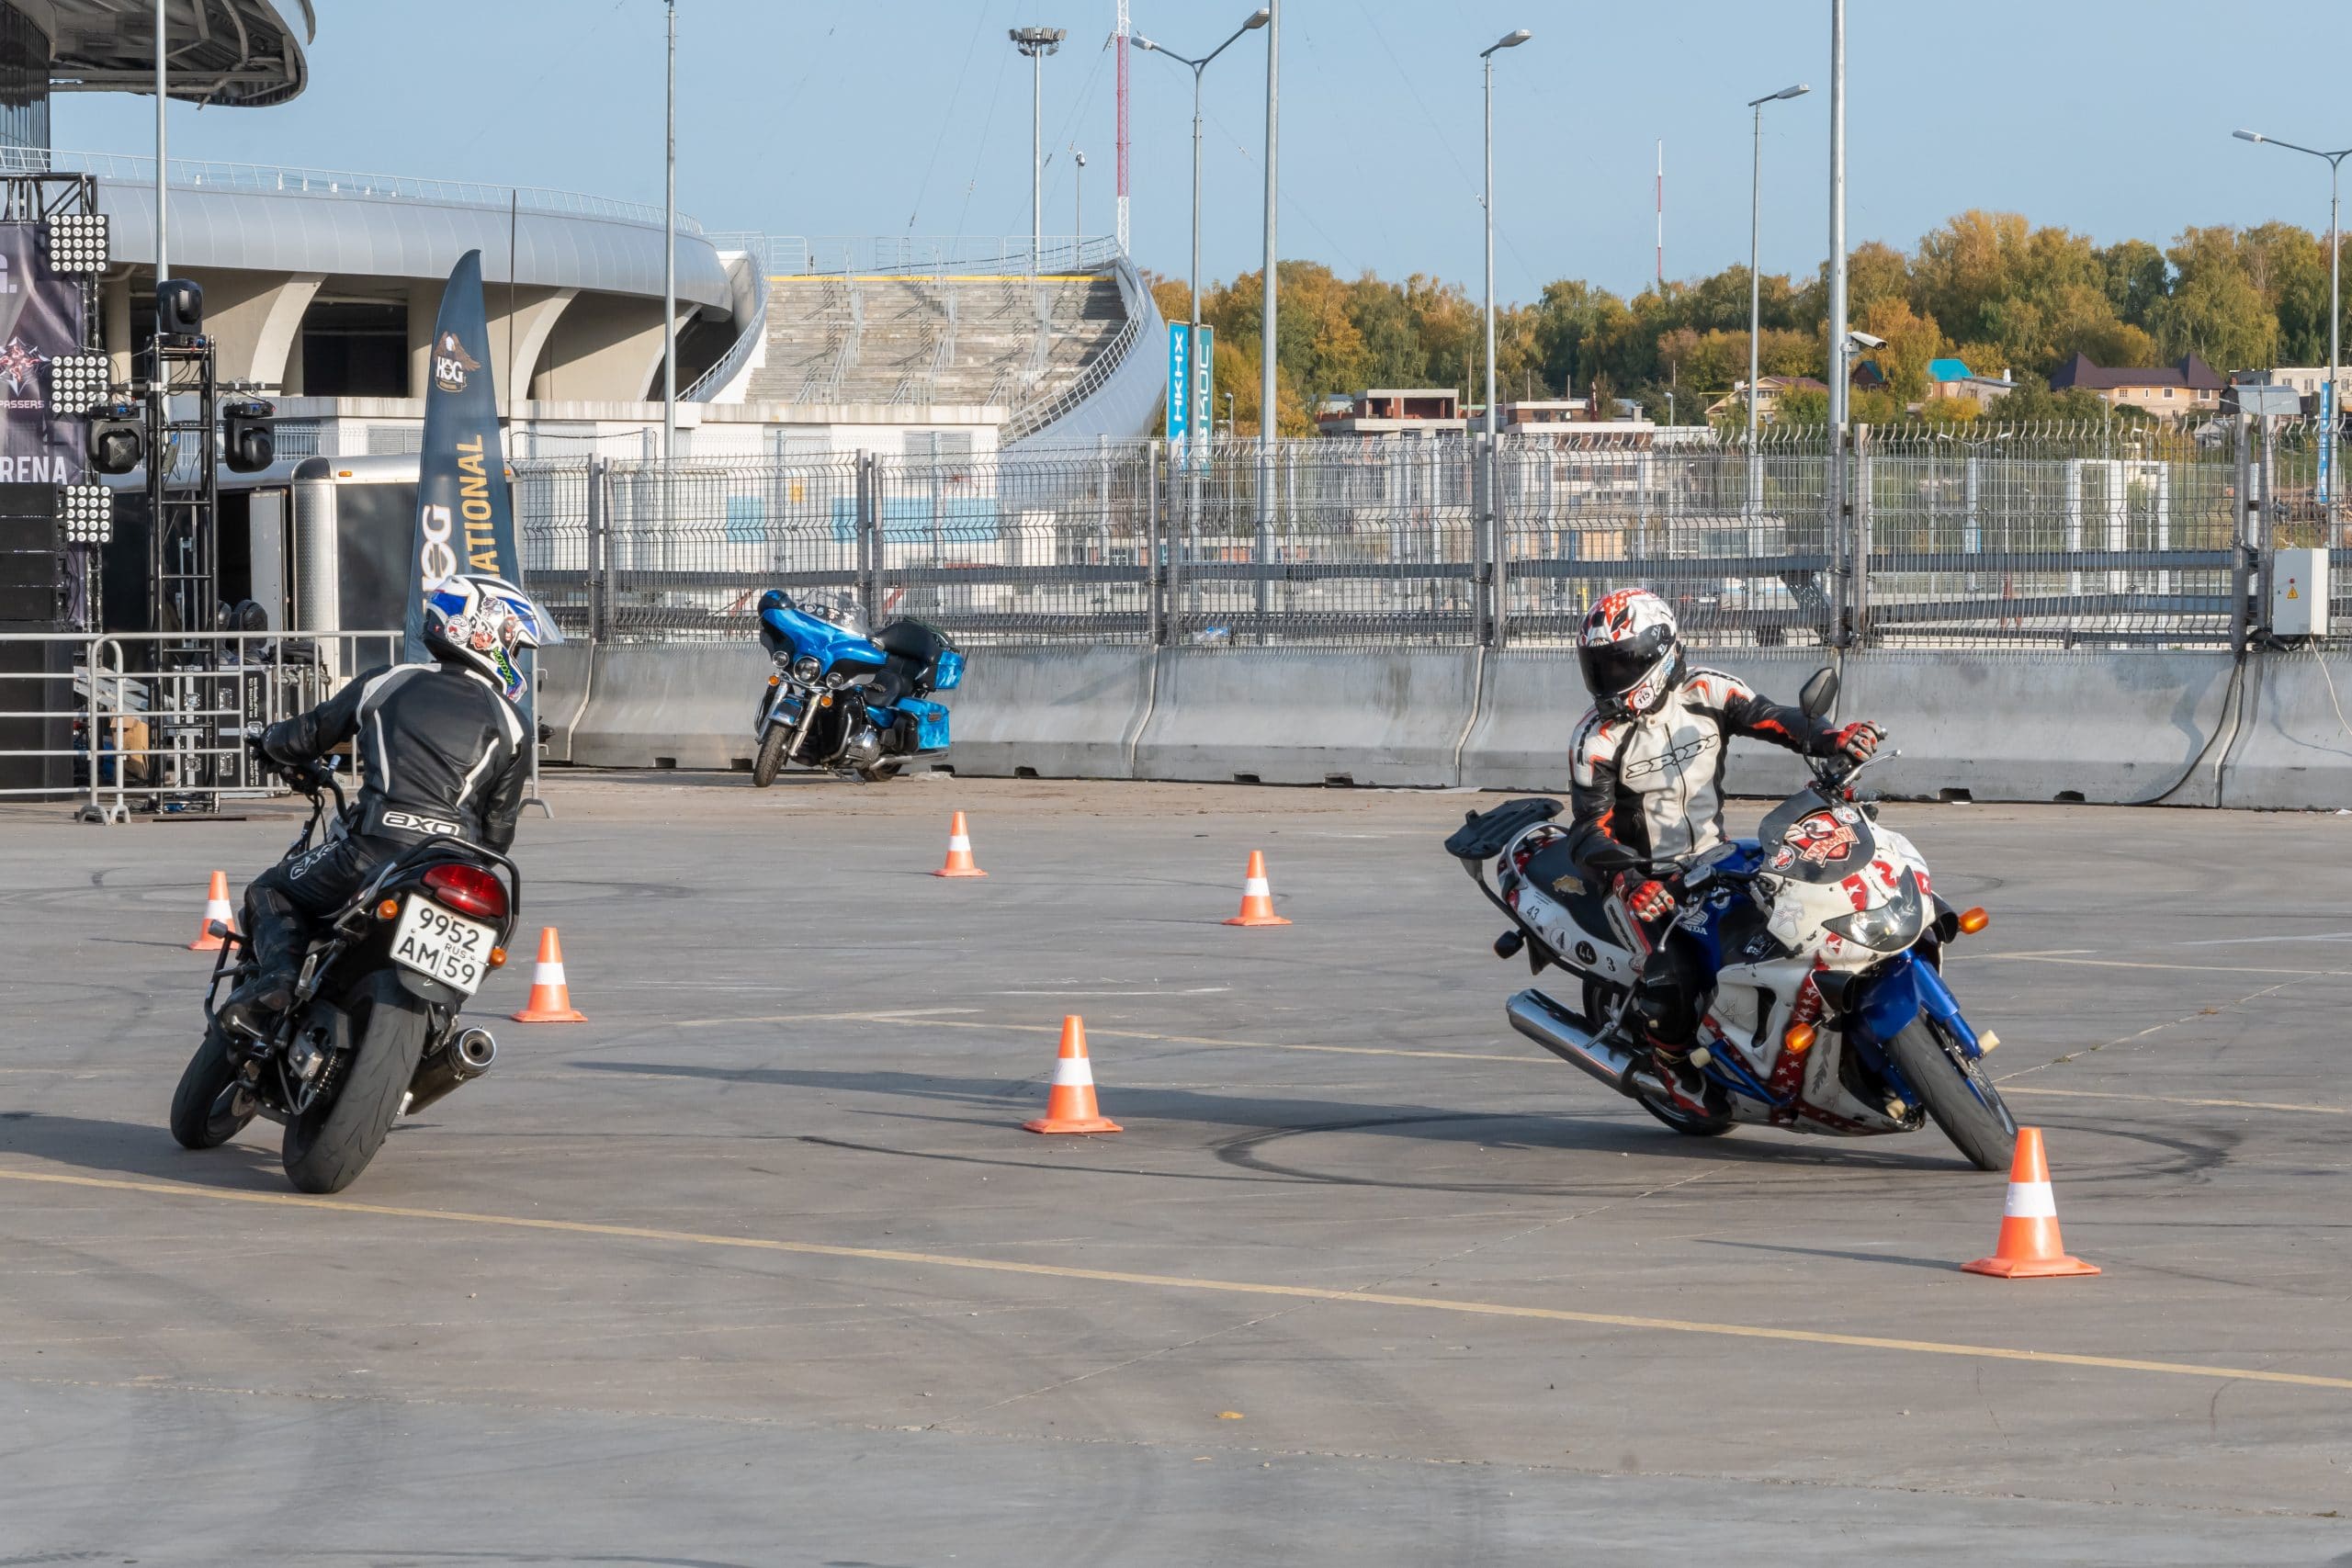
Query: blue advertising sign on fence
point(1205, 394)
point(1180, 359)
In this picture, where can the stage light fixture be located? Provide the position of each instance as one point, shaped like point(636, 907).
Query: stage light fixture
point(78, 244)
point(78, 382)
point(118, 438)
point(248, 444)
point(179, 308)
point(87, 513)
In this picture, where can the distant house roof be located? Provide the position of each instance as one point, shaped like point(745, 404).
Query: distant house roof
point(1868, 376)
point(2191, 372)
point(1949, 370)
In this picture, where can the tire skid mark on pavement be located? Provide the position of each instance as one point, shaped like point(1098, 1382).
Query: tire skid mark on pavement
point(1180, 1283)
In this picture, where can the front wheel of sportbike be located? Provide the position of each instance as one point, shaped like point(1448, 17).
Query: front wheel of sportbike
point(1599, 1002)
point(770, 761)
point(210, 1106)
point(1956, 1092)
point(328, 1145)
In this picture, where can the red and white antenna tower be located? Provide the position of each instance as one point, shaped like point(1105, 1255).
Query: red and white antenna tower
point(1119, 41)
point(1661, 215)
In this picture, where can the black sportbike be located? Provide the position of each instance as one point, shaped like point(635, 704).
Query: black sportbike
point(373, 1030)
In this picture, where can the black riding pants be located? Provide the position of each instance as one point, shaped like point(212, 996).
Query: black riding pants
point(283, 902)
point(1667, 995)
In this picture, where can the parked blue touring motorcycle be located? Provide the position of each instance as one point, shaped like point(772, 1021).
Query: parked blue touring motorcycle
point(843, 701)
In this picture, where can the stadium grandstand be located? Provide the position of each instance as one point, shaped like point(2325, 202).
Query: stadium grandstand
point(323, 283)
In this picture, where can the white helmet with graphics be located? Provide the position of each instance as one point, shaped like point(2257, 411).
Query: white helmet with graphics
point(1630, 652)
point(480, 621)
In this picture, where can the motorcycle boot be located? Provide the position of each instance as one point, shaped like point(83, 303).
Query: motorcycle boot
point(274, 935)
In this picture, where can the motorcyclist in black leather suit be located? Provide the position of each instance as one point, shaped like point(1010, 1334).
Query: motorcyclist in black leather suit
point(442, 750)
point(1646, 774)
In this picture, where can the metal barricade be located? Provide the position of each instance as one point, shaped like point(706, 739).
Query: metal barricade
point(157, 719)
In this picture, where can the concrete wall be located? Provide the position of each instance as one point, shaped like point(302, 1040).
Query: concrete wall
point(2182, 728)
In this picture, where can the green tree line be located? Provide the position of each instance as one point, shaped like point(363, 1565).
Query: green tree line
point(1987, 287)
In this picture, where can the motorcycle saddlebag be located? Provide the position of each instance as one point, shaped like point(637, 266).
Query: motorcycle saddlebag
point(928, 722)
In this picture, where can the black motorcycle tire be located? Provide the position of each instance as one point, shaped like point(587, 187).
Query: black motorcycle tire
point(770, 761)
point(880, 773)
point(1948, 1083)
point(327, 1147)
point(201, 1113)
point(1599, 999)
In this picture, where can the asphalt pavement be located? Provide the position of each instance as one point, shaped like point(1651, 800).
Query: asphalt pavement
point(756, 1265)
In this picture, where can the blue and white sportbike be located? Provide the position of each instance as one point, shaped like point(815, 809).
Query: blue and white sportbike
point(1828, 1013)
point(843, 701)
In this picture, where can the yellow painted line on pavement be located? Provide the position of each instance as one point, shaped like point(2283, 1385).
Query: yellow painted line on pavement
point(2008, 1089)
point(1180, 1283)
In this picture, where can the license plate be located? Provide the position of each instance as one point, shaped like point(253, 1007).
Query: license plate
point(452, 948)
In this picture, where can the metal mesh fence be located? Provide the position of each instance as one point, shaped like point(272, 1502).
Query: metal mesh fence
point(2074, 536)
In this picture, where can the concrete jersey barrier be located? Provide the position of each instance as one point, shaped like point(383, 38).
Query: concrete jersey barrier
point(1310, 716)
point(1055, 713)
point(2293, 747)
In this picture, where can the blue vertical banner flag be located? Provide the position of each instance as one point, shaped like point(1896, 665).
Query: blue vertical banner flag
point(465, 513)
point(2326, 448)
point(1204, 394)
point(1179, 361)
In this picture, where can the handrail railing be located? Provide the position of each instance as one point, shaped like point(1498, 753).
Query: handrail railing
point(784, 254)
point(190, 173)
point(1029, 420)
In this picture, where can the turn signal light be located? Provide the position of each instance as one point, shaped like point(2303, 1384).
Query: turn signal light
point(389, 910)
point(498, 958)
point(1974, 920)
point(1798, 1038)
point(774, 681)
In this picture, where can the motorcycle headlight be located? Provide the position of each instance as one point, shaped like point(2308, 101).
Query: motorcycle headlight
point(1890, 928)
point(806, 669)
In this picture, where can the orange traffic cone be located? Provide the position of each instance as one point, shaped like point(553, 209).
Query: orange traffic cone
point(216, 908)
point(1257, 897)
point(2029, 1247)
point(550, 996)
point(959, 851)
point(1069, 1104)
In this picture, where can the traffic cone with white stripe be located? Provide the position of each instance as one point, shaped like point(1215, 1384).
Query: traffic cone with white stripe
point(550, 994)
point(1257, 896)
point(1069, 1104)
point(216, 908)
point(2029, 1247)
point(959, 851)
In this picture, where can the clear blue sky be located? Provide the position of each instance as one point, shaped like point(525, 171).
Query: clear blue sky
point(850, 117)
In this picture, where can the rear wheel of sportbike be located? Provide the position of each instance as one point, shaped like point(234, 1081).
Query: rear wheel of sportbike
point(205, 1112)
point(770, 761)
point(1600, 1001)
point(880, 773)
point(1956, 1092)
point(328, 1145)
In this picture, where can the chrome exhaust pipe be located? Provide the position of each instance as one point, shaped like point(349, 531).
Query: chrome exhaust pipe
point(473, 1053)
point(1567, 1036)
point(458, 1063)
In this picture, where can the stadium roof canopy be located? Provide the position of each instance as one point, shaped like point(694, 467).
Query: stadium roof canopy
point(245, 53)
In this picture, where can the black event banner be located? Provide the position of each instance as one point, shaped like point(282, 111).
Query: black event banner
point(41, 317)
point(465, 514)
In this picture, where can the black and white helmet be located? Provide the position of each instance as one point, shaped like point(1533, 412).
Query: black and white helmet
point(1631, 653)
point(480, 621)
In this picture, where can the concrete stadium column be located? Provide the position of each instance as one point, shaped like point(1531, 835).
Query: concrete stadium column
point(252, 318)
point(424, 306)
point(603, 347)
point(518, 338)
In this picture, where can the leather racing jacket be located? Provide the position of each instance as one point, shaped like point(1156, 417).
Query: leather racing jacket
point(439, 752)
point(1647, 792)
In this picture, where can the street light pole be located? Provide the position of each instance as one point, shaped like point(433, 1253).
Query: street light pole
point(1487, 60)
point(162, 96)
point(669, 271)
point(1266, 336)
point(2329, 403)
point(1036, 43)
point(1077, 201)
point(1754, 290)
point(1835, 531)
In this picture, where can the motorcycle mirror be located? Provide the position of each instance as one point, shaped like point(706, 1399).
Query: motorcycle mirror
point(1819, 693)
